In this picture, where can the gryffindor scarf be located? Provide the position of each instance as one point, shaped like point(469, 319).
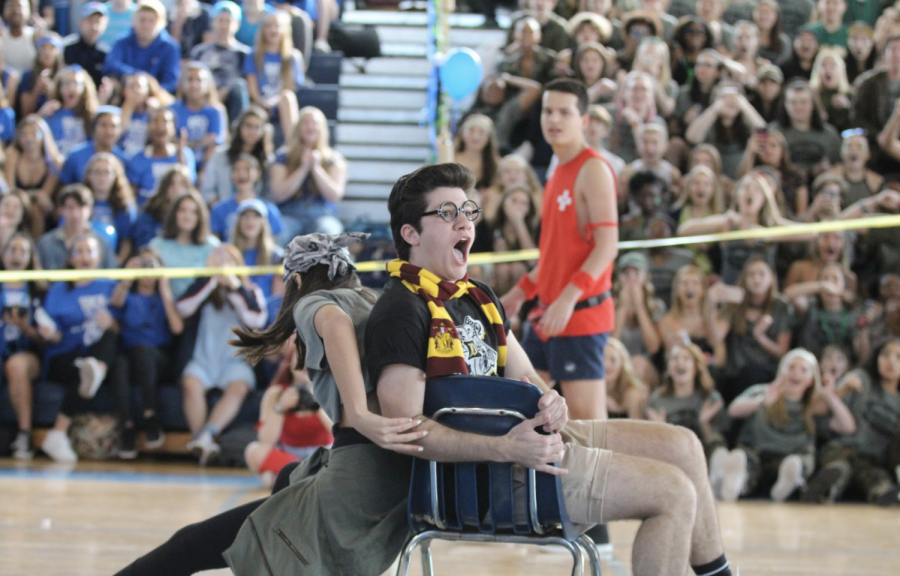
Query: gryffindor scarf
point(445, 351)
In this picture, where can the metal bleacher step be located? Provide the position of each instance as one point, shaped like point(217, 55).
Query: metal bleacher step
point(369, 210)
point(381, 116)
point(392, 66)
point(382, 99)
point(379, 134)
point(381, 172)
point(384, 82)
point(381, 152)
point(368, 191)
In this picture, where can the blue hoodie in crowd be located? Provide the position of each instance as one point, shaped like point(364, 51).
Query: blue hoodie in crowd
point(161, 59)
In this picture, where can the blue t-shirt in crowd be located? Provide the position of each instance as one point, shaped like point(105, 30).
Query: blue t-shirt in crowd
point(134, 139)
point(121, 222)
point(26, 84)
point(67, 129)
point(269, 80)
point(246, 34)
point(199, 123)
point(7, 125)
point(145, 173)
point(145, 229)
point(75, 311)
point(264, 281)
point(12, 340)
point(119, 24)
point(76, 162)
point(143, 321)
point(161, 59)
point(223, 216)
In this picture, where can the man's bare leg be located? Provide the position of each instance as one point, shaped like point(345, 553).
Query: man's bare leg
point(663, 497)
point(586, 399)
point(679, 447)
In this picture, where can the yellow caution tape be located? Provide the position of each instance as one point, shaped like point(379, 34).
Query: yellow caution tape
point(474, 259)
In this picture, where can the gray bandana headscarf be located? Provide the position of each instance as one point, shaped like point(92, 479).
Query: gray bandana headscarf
point(304, 252)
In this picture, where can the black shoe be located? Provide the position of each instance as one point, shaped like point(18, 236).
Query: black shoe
point(827, 484)
point(127, 449)
point(890, 497)
point(153, 434)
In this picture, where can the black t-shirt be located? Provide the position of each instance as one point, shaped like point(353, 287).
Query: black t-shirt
point(398, 328)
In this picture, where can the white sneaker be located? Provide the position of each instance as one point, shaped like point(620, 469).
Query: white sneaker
point(91, 373)
point(735, 475)
point(717, 469)
point(790, 477)
point(21, 446)
point(205, 447)
point(57, 446)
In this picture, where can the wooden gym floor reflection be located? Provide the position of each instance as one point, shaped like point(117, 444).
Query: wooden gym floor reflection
point(95, 520)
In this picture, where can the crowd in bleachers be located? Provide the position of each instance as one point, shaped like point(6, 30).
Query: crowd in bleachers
point(721, 117)
point(175, 138)
point(152, 136)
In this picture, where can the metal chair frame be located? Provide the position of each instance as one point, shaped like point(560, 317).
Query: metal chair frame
point(580, 548)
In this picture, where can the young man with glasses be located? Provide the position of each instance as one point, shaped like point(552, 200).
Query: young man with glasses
point(433, 321)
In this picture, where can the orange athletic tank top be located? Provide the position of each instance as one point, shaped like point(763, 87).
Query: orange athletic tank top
point(564, 250)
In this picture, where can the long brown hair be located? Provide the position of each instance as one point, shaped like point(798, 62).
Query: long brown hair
point(120, 197)
point(285, 49)
point(629, 379)
point(739, 311)
point(158, 204)
point(254, 345)
point(490, 157)
point(200, 232)
point(87, 105)
point(777, 413)
point(703, 382)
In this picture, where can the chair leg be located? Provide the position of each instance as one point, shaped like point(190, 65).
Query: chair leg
point(591, 549)
point(427, 566)
point(406, 555)
point(575, 549)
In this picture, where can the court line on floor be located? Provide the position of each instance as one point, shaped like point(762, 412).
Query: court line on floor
point(248, 482)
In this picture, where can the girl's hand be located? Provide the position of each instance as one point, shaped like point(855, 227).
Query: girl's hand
point(851, 383)
point(49, 108)
point(889, 200)
point(709, 410)
point(656, 415)
point(829, 288)
point(47, 333)
point(840, 101)
point(774, 391)
point(104, 320)
point(288, 399)
point(762, 326)
point(390, 433)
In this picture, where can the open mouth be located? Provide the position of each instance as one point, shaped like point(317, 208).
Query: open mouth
point(461, 250)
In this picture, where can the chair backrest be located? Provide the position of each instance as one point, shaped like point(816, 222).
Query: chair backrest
point(492, 498)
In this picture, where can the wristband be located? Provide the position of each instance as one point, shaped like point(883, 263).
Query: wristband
point(528, 286)
point(583, 281)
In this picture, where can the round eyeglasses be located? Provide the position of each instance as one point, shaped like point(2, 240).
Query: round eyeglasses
point(449, 211)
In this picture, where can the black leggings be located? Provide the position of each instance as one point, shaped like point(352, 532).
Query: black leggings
point(200, 546)
point(61, 368)
point(144, 366)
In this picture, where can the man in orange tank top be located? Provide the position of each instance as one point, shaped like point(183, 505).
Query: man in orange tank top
point(579, 235)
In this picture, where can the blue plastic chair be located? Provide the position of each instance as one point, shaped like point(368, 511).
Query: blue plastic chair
point(487, 501)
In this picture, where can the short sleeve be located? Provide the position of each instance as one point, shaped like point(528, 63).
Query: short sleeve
point(755, 392)
point(397, 331)
point(249, 66)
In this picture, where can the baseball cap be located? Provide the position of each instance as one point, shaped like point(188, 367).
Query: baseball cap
point(92, 8)
point(633, 260)
point(254, 204)
point(50, 39)
point(770, 72)
point(227, 6)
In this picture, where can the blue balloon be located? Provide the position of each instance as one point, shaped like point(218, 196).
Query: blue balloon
point(107, 232)
point(461, 72)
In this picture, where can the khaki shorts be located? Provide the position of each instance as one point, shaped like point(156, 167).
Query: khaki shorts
point(588, 462)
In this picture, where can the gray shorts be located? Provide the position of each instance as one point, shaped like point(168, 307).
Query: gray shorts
point(220, 377)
